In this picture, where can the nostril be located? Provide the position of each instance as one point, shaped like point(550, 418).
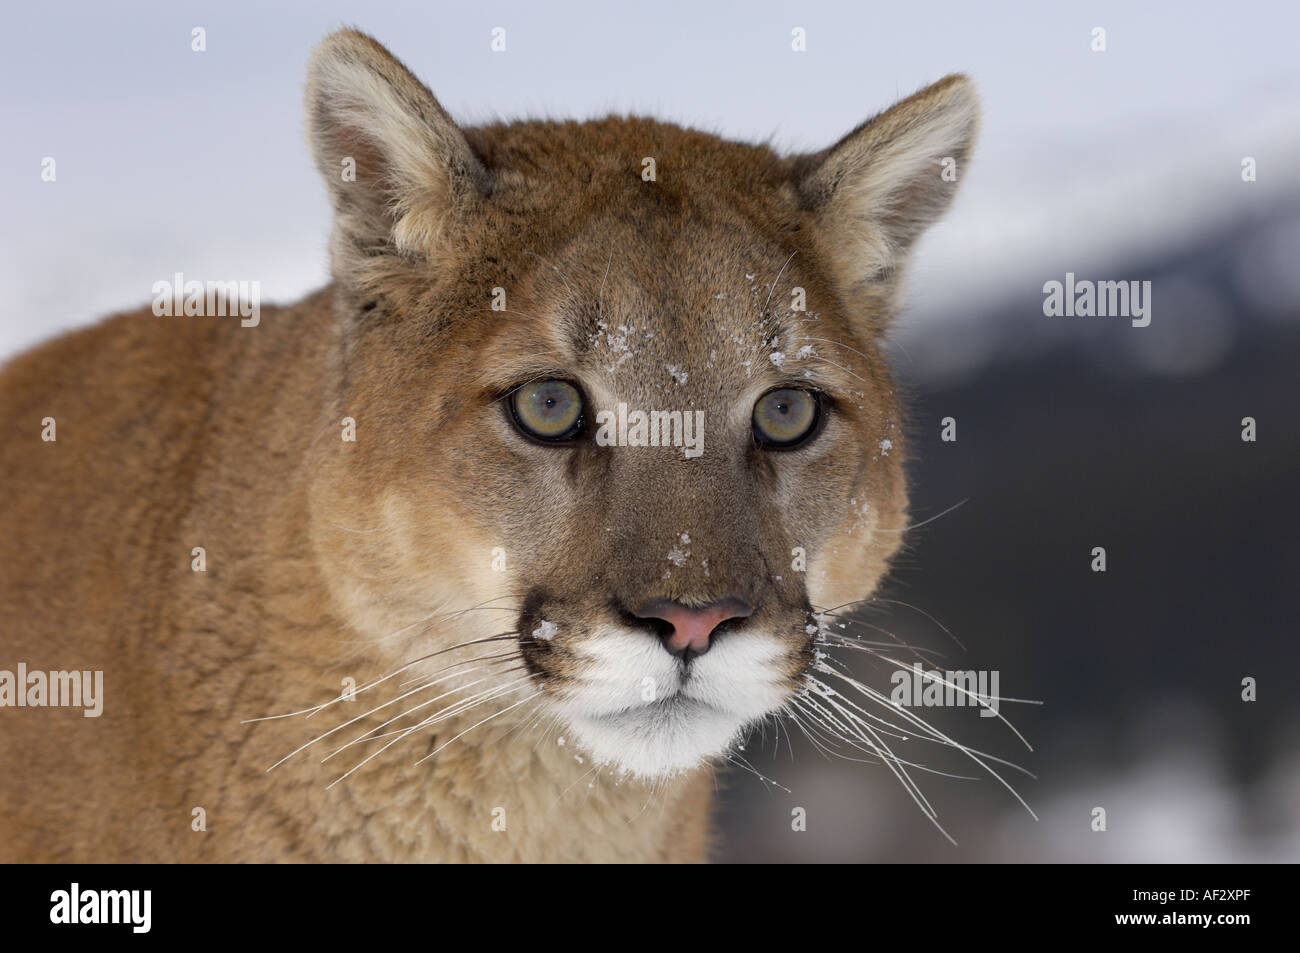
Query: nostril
point(661, 627)
point(687, 631)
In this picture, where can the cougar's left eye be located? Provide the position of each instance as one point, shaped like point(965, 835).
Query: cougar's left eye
point(547, 410)
point(787, 417)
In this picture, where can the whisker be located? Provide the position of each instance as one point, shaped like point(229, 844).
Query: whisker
point(449, 711)
point(829, 695)
point(838, 344)
point(977, 757)
point(923, 522)
point(877, 758)
point(846, 620)
point(743, 763)
point(937, 677)
point(908, 605)
point(408, 731)
point(476, 724)
point(926, 732)
point(600, 295)
point(481, 658)
point(367, 714)
point(346, 696)
point(771, 291)
point(868, 648)
point(895, 766)
point(556, 270)
point(827, 360)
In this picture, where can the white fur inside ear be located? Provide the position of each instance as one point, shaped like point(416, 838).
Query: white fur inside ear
point(913, 153)
point(412, 163)
point(884, 183)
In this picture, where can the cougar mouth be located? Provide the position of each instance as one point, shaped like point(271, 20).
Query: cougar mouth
point(646, 711)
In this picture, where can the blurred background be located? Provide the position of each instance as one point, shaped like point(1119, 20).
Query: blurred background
point(1072, 432)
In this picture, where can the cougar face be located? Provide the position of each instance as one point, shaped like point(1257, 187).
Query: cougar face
point(665, 595)
point(622, 419)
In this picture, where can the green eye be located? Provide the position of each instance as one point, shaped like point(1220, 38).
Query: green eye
point(786, 417)
point(547, 410)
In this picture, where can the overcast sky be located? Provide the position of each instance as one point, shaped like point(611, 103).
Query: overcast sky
point(169, 160)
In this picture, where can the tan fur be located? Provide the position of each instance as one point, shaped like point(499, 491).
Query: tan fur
point(329, 559)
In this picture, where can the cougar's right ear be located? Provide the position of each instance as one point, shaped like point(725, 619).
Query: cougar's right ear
point(400, 172)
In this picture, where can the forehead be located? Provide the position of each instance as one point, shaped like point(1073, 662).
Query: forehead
point(690, 329)
point(697, 285)
point(679, 325)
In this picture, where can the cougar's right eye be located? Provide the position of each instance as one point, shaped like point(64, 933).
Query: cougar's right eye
point(550, 411)
point(787, 417)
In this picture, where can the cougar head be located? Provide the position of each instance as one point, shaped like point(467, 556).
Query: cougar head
point(619, 397)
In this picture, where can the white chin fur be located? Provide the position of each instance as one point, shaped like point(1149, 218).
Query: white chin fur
point(657, 740)
point(693, 720)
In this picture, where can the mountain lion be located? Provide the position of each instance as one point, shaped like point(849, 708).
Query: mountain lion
point(495, 546)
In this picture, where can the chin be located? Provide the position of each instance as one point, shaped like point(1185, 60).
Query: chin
point(658, 740)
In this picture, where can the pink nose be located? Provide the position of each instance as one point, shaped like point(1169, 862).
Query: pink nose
point(692, 628)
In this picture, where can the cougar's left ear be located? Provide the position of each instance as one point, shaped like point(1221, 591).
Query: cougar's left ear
point(876, 190)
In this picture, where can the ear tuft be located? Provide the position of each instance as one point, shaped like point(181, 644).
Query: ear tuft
point(398, 169)
point(876, 190)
